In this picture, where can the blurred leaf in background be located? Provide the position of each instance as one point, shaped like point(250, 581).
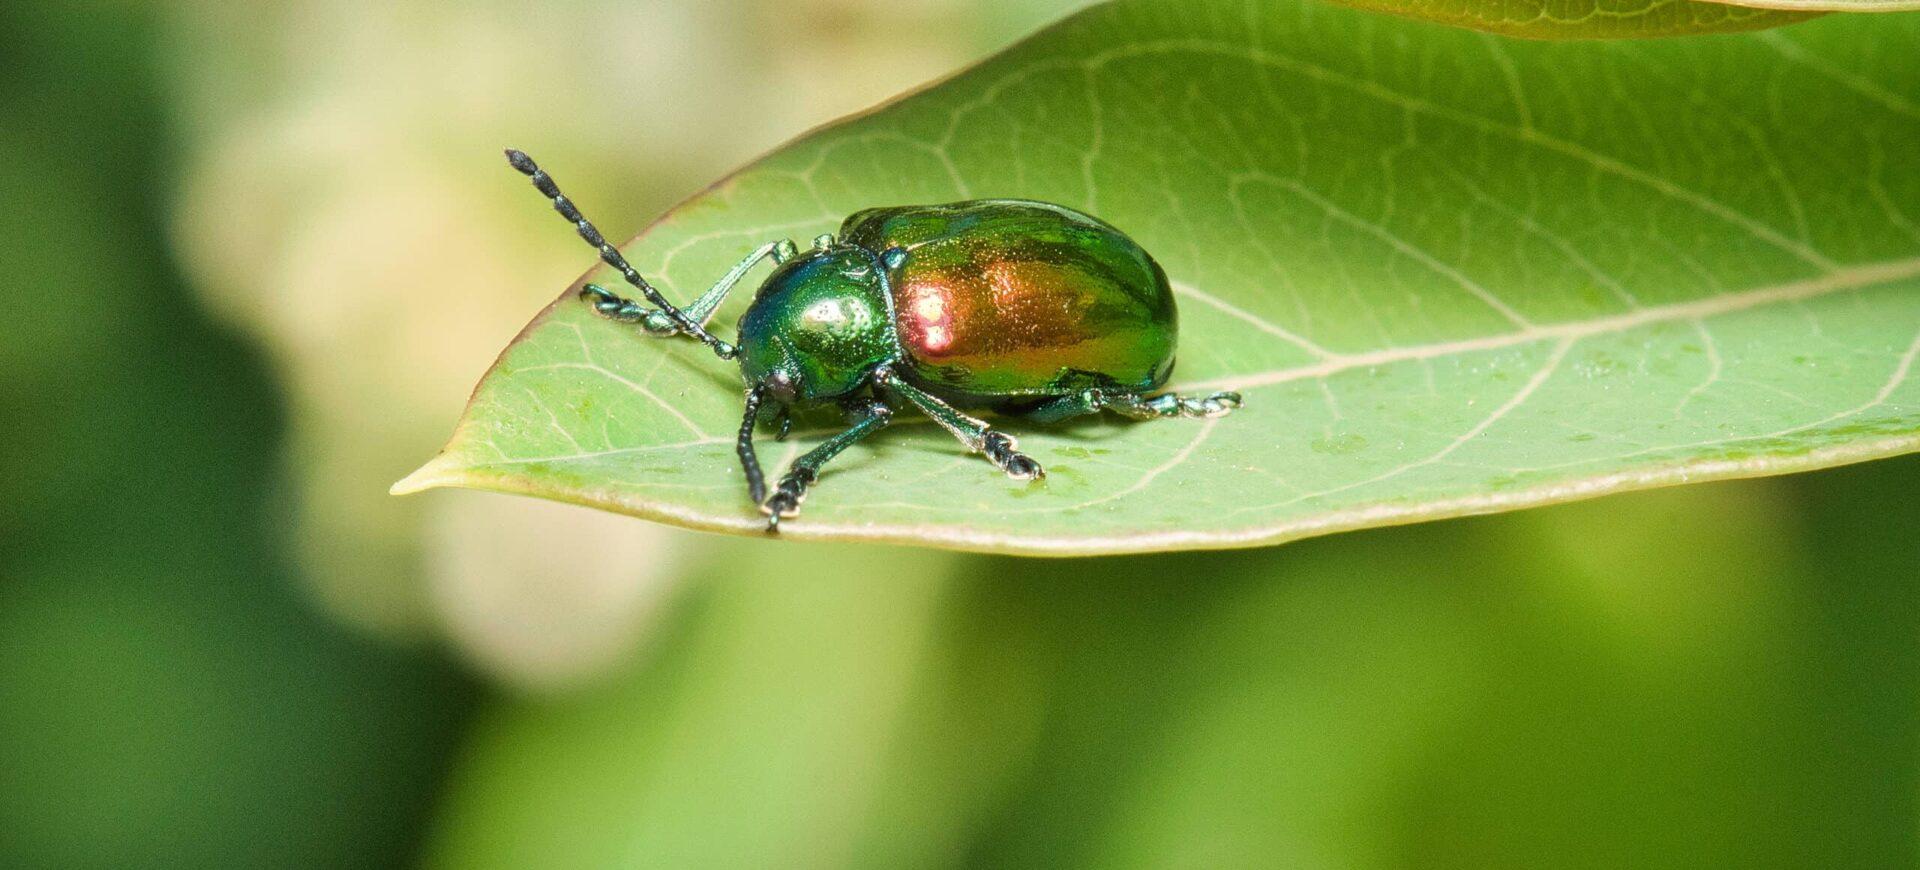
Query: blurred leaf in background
point(1590, 19)
point(167, 697)
point(1720, 675)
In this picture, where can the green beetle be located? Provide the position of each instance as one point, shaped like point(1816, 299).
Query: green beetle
point(1020, 307)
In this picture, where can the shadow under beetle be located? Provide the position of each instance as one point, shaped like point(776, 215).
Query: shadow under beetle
point(1025, 308)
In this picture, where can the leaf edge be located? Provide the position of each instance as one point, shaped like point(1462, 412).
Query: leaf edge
point(1371, 515)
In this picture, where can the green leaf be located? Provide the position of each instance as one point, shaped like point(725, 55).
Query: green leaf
point(1453, 274)
point(1590, 19)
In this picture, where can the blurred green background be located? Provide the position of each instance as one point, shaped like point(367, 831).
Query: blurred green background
point(257, 253)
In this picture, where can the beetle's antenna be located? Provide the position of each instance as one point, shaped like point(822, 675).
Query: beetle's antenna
point(749, 463)
point(611, 255)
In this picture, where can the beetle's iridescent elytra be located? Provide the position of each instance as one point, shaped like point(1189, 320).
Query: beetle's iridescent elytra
point(1025, 308)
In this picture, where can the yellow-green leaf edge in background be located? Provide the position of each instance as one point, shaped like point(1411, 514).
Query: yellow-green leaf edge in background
point(1452, 273)
point(1827, 5)
point(1589, 19)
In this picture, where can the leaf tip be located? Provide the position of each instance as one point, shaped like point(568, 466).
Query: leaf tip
point(432, 475)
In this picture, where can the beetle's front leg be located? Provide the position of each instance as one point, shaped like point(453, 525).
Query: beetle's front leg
point(972, 431)
point(616, 307)
point(792, 488)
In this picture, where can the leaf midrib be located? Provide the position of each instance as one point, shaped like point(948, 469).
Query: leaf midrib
point(1842, 280)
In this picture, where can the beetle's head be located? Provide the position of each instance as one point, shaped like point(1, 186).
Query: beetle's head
point(817, 327)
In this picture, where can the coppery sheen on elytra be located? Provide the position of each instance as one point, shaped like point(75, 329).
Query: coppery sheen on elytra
point(995, 299)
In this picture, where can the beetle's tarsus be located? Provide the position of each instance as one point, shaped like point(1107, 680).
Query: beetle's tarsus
point(613, 306)
point(1020, 466)
point(786, 498)
point(603, 300)
point(1000, 447)
point(1220, 404)
point(658, 323)
point(1169, 405)
point(782, 504)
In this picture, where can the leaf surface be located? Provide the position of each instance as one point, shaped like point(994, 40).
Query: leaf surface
point(1452, 274)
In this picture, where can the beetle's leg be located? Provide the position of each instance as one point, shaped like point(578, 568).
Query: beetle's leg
point(783, 419)
point(617, 307)
point(972, 431)
point(674, 317)
point(1138, 407)
point(613, 306)
point(786, 499)
point(1069, 406)
point(702, 308)
point(1134, 406)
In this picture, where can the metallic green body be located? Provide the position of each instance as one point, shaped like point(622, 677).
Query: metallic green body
point(990, 302)
point(818, 326)
point(1001, 300)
